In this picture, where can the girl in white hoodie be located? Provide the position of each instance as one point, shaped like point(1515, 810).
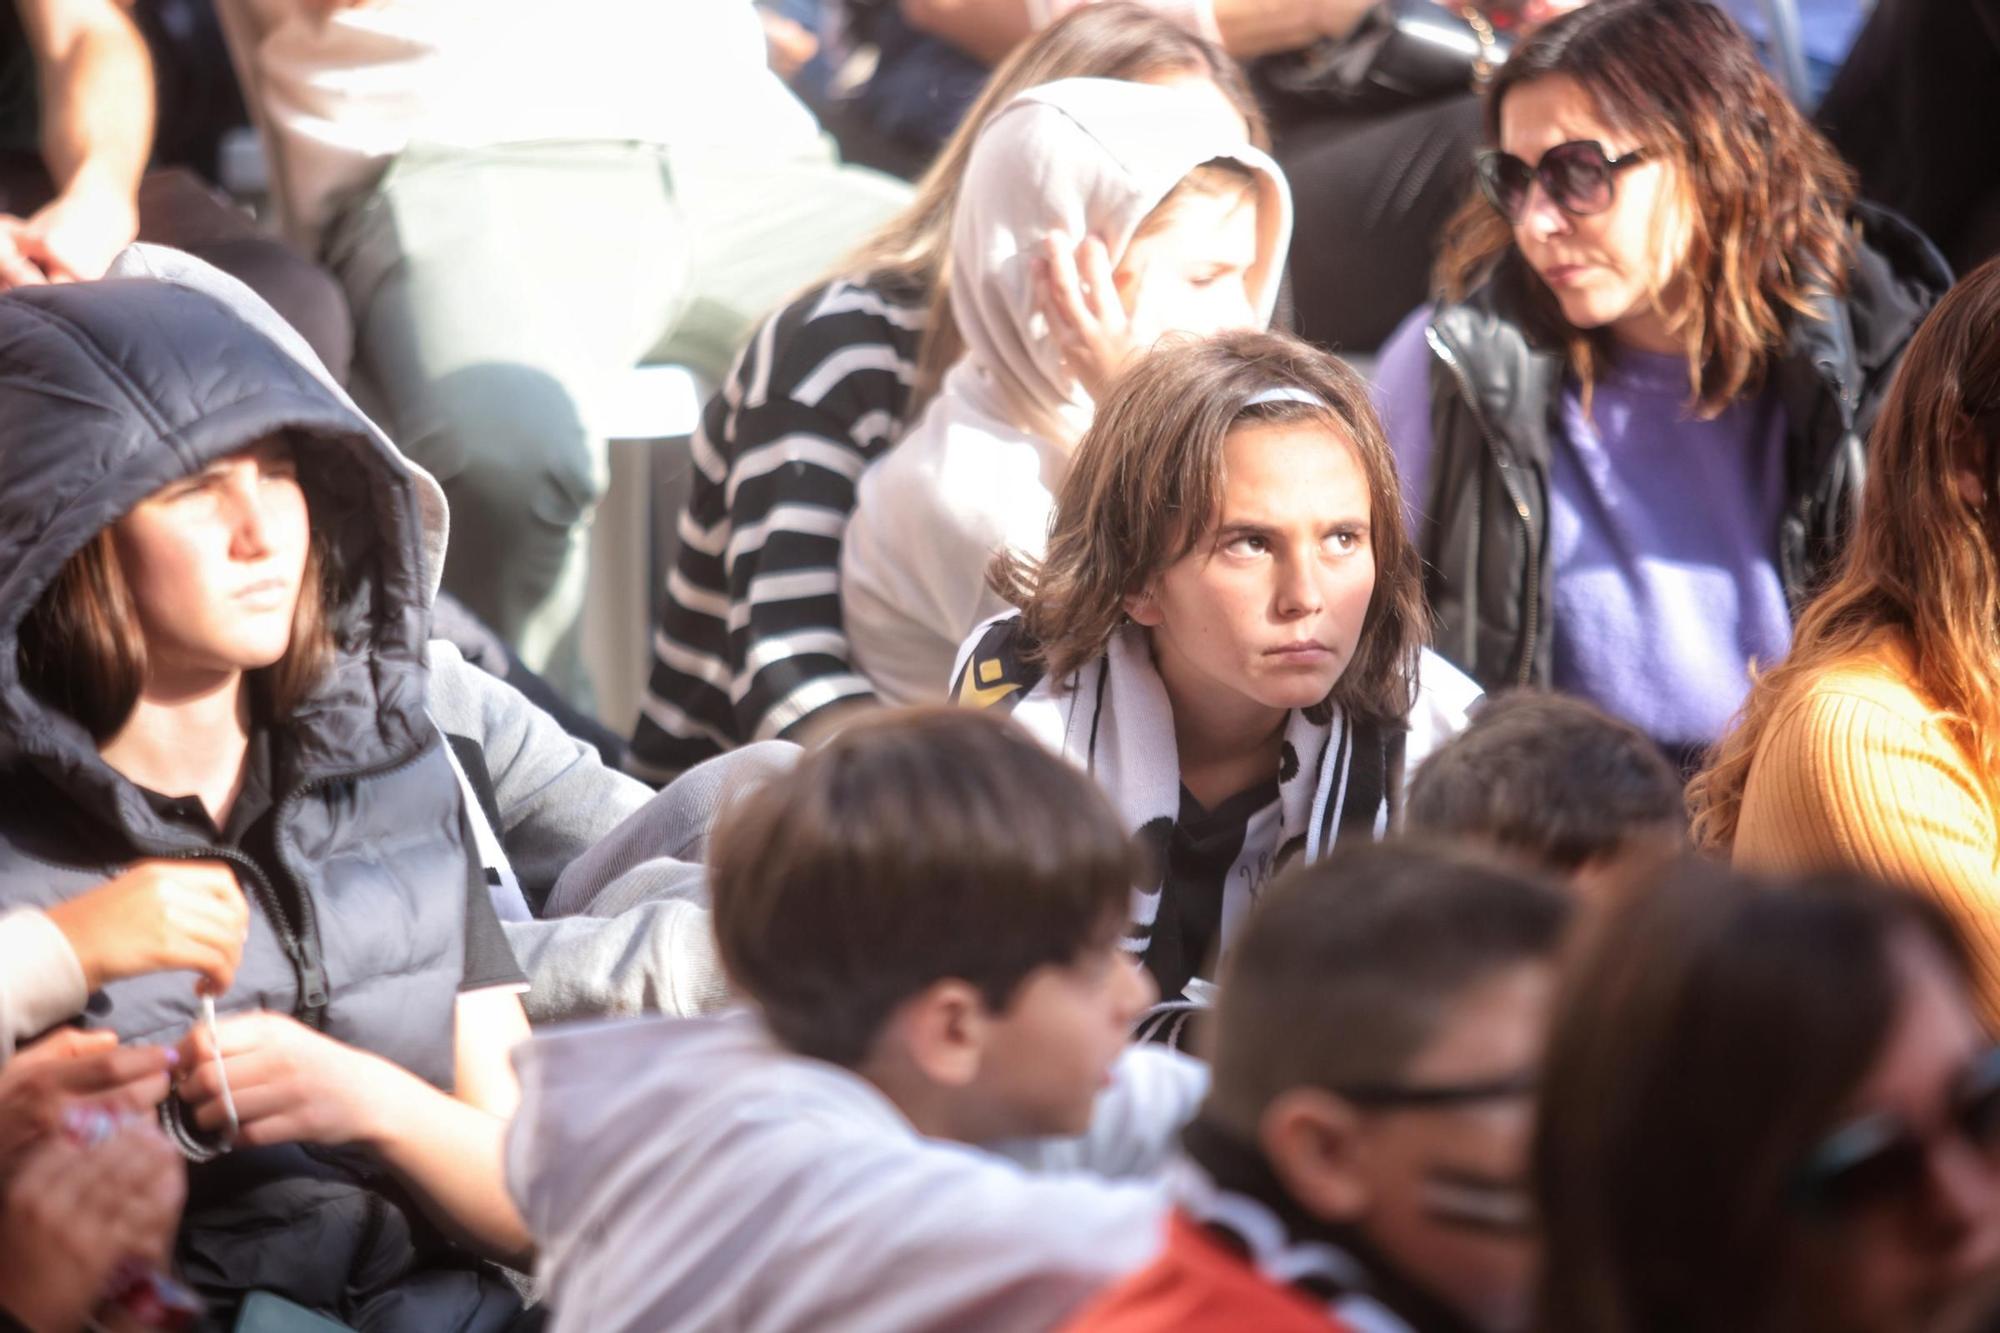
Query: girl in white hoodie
point(1096, 217)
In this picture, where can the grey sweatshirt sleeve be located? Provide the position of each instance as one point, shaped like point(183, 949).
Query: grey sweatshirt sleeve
point(634, 934)
point(556, 797)
point(655, 957)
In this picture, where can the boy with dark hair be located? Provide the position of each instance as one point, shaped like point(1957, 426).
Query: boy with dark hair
point(925, 913)
point(1360, 1163)
point(1557, 784)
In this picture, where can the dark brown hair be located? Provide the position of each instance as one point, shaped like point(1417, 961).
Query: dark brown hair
point(1549, 778)
point(1765, 195)
point(82, 649)
point(1115, 40)
point(1347, 968)
point(1709, 1031)
point(1923, 558)
point(1147, 481)
point(913, 847)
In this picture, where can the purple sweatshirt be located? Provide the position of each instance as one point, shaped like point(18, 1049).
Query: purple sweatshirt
point(1662, 536)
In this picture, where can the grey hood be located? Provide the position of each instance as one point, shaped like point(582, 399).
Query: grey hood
point(110, 391)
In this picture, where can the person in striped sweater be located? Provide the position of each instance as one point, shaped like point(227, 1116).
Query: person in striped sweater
point(749, 643)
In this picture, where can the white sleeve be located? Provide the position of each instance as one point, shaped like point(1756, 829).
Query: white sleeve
point(1135, 1128)
point(1445, 697)
point(41, 981)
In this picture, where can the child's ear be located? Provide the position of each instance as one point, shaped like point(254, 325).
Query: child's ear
point(1143, 607)
point(944, 1029)
point(1313, 1141)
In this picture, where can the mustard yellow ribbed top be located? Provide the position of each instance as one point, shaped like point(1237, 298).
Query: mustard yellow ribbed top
point(1856, 770)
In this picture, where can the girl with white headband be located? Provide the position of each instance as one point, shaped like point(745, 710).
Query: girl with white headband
point(1095, 217)
point(1227, 631)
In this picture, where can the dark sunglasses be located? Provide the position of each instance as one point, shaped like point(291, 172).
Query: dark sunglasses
point(1577, 176)
point(1883, 1159)
point(1418, 1096)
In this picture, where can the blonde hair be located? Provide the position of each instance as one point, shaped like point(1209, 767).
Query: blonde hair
point(1108, 41)
point(1217, 178)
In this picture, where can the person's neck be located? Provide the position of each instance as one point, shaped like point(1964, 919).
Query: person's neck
point(188, 735)
point(1649, 330)
point(934, 1111)
point(1226, 743)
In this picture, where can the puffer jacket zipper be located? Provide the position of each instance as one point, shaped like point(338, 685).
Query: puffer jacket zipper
point(295, 922)
point(1532, 594)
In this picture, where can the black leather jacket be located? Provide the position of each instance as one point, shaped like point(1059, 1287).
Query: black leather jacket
point(1496, 395)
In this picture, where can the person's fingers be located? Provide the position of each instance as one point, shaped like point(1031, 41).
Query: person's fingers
point(65, 1044)
point(1100, 286)
point(255, 1104)
point(54, 268)
point(110, 1071)
point(1066, 284)
point(16, 270)
point(245, 1032)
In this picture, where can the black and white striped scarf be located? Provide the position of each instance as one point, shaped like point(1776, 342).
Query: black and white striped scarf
point(1337, 781)
point(1231, 1192)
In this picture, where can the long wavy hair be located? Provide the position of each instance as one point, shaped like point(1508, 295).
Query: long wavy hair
point(1115, 40)
point(1924, 559)
point(1765, 197)
point(1148, 476)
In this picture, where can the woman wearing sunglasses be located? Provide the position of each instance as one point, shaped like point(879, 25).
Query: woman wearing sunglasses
point(1876, 744)
point(1631, 429)
point(1766, 1106)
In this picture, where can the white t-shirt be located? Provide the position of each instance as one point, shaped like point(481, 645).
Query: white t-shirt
point(929, 515)
point(337, 97)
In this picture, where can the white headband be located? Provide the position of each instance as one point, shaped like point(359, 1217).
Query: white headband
point(1286, 393)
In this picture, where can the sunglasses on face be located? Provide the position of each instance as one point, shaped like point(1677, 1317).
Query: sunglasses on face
point(1577, 176)
point(1883, 1159)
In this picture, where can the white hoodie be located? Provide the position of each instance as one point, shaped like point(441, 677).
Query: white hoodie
point(690, 1174)
point(979, 470)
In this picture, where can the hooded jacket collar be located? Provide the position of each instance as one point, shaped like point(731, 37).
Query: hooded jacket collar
point(112, 390)
point(1085, 157)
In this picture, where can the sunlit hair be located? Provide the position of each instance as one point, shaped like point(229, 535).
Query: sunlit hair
point(1146, 483)
point(1764, 199)
point(82, 648)
point(1923, 559)
point(1217, 178)
point(1105, 41)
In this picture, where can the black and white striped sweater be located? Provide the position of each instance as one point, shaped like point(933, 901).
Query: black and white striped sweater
point(749, 642)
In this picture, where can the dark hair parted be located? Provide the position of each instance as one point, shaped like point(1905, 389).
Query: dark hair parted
point(1765, 197)
point(82, 649)
point(1146, 483)
point(1347, 968)
point(915, 846)
point(1709, 1031)
point(1924, 557)
point(1547, 777)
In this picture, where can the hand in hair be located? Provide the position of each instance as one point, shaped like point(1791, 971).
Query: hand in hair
point(47, 1079)
point(74, 1215)
point(1095, 329)
point(159, 916)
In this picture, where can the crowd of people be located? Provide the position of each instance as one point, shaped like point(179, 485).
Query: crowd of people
point(1191, 779)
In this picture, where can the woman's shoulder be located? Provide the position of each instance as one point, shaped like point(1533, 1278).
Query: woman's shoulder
point(1858, 711)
